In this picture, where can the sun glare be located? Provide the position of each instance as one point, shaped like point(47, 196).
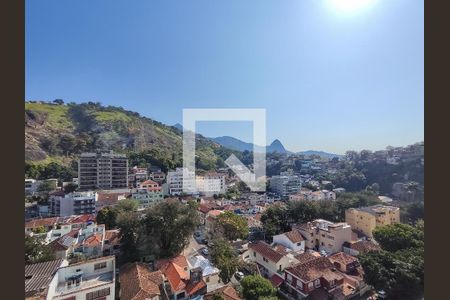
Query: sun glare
point(349, 5)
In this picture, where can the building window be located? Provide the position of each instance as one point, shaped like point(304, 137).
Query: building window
point(254, 253)
point(317, 283)
point(98, 294)
point(289, 277)
point(99, 266)
point(299, 284)
point(310, 286)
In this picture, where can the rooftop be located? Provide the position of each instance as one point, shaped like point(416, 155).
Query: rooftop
point(137, 282)
point(38, 276)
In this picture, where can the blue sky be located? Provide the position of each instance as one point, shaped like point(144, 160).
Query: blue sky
point(330, 79)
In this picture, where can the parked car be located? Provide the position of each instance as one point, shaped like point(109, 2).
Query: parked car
point(204, 251)
point(239, 275)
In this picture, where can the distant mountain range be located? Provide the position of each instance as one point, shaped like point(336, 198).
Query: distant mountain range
point(276, 146)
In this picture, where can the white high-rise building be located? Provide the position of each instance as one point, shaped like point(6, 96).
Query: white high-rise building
point(178, 183)
point(285, 185)
point(76, 203)
point(211, 184)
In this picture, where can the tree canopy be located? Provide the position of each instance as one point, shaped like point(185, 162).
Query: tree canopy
point(399, 268)
point(223, 257)
point(232, 226)
point(36, 251)
point(255, 287)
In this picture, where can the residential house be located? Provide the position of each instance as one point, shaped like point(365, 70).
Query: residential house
point(314, 277)
point(182, 282)
point(111, 244)
point(92, 279)
point(210, 274)
point(137, 282)
point(324, 235)
point(226, 292)
point(360, 247)
point(105, 199)
point(210, 221)
point(148, 193)
point(292, 239)
point(158, 177)
point(270, 260)
point(366, 219)
point(58, 226)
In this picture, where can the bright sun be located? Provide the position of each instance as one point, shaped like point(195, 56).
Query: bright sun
point(349, 5)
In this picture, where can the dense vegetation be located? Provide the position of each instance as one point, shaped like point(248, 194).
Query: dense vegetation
point(398, 268)
point(255, 287)
point(57, 133)
point(224, 258)
point(163, 231)
point(36, 251)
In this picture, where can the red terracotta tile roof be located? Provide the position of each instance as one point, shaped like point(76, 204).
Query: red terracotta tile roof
point(108, 197)
point(41, 222)
point(305, 257)
point(76, 219)
point(227, 291)
point(138, 283)
point(276, 280)
point(148, 182)
point(175, 270)
point(364, 246)
point(265, 250)
point(294, 236)
point(342, 258)
point(204, 208)
point(214, 213)
point(315, 269)
point(174, 274)
point(194, 287)
point(93, 240)
point(113, 236)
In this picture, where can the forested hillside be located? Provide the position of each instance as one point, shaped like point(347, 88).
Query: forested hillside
point(57, 133)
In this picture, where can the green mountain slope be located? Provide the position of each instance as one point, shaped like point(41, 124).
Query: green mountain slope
point(58, 133)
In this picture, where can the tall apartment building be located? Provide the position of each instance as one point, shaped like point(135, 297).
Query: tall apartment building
point(178, 183)
point(92, 279)
point(211, 184)
point(366, 219)
point(76, 203)
point(286, 184)
point(102, 171)
point(323, 235)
